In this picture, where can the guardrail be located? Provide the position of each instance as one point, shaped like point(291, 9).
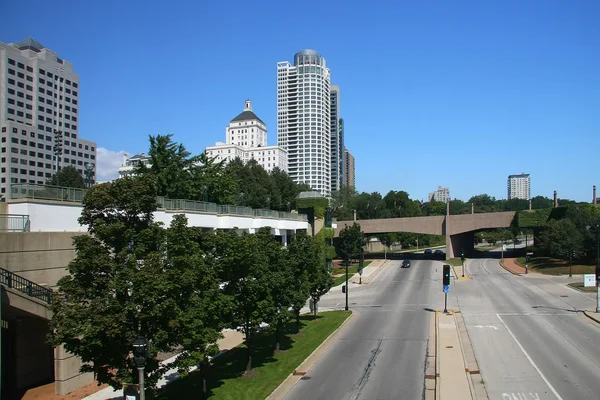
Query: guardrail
point(32, 289)
point(14, 223)
point(57, 193)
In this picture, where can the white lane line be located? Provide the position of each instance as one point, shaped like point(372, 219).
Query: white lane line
point(530, 360)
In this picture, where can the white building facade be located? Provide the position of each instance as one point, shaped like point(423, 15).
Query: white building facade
point(304, 120)
point(519, 187)
point(440, 194)
point(39, 107)
point(130, 164)
point(246, 138)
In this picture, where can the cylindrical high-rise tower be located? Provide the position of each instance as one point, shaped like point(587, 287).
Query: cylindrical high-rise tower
point(303, 119)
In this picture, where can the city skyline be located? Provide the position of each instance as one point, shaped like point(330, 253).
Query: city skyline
point(547, 94)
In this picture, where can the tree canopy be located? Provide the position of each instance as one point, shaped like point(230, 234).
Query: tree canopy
point(67, 177)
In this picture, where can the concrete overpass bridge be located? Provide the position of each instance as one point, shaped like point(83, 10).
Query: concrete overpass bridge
point(458, 229)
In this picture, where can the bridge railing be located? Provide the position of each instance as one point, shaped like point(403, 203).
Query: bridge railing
point(14, 223)
point(32, 289)
point(57, 193)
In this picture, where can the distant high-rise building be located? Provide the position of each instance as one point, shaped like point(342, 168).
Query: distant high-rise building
point(441, 194)
point(519, 186)
point(246, 138)
point(304, 120)
point(350, 172)
point(39, 111)
point(337, 139)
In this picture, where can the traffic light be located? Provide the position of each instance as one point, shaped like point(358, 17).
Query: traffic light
point(446, 274)
point(462, 256)
point(343, 288)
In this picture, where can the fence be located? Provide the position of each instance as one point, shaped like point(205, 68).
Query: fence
point(32, 289)
point(57, 193)
point(43, 192)
point(14, 223)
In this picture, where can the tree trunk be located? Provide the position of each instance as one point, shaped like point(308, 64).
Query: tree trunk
point(277, 330)
point(203, 370)
point(314, 309)
point(297, 311)
point(249, 344)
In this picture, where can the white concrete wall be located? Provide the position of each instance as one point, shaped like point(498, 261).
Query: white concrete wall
point(47, 217)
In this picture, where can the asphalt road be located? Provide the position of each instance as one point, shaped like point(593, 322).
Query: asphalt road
point(380, 354)
point(527, 336)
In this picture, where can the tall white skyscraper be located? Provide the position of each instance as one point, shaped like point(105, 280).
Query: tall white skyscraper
point(39, 102)
point(519, 187)
point(304, 120)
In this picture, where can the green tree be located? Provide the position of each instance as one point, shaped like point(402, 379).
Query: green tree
point(171, 165)
point(538, 202)
point(67, 177)
point(115, 287)
point(192, 294)
point(560, 237)
point(434, 208)
point(303, 258)
point(350, 243)
point(319, 275)
point(248, 282)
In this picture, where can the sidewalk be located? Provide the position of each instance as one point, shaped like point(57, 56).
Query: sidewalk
point(511, 266)
point(230, 340)
point(369, 273)
point(458, 272)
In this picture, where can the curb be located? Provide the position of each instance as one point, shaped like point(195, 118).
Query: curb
point(592, 317)
point(431, 373)
point(281, 391)
point(478, 390)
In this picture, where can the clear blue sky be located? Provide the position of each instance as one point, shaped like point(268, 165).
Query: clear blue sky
point(452, 93)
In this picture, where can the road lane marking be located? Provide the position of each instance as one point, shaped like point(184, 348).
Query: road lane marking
point(520, 396)
point(530, 360)
point(487, 326)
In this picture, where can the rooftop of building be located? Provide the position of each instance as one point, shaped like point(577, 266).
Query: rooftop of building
point(523, 175)
point(247, 114)
point(30, 44)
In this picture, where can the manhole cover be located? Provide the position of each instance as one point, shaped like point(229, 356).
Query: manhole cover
point(305, 378)
point(449, 347)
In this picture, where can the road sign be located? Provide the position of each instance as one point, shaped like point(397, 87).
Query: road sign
point(446, 288)
point(589, 280)
point(504, 247)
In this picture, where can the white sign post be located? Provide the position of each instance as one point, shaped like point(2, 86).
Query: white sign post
point(589, 280)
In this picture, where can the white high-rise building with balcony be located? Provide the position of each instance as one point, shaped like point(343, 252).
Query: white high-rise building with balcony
point(303, 119)
point(441, 194)
point(519, 186)
point(39, 96)
point(246, 138)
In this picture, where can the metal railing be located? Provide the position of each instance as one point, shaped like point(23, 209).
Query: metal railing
point(32, 289)
point(57, 193)
point(14, 223)
point(43, 192)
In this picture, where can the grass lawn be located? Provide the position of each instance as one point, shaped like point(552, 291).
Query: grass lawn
point(225, 379)
point(485, 248)
point(456, 261)
point(552, 266)
point(351, 271)
point(579, 286)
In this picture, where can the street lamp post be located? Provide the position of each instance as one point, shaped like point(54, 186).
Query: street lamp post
point(140, 355)
point(58, 143)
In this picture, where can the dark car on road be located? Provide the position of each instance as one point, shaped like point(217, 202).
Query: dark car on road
point(439, 253)
point(427, 251)
point(405, 264)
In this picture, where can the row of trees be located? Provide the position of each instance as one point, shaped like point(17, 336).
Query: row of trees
point(181, 175)
point(572, 234)
point(399, 204)
point(177, 286)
